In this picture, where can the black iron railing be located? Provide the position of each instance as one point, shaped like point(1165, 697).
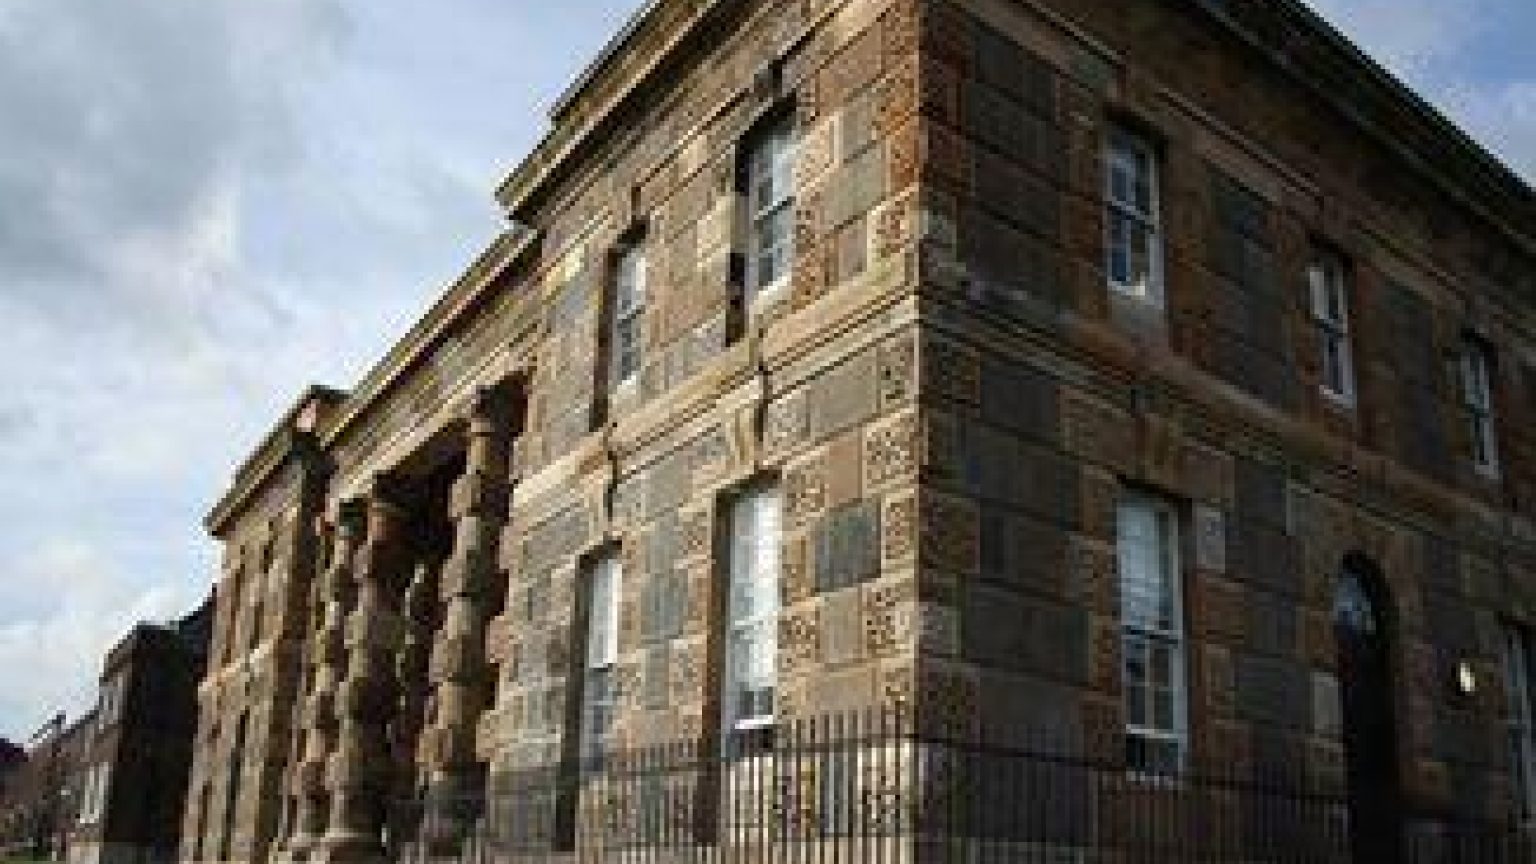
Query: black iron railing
point(867, 788)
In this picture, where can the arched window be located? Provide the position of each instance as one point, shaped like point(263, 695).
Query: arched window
point(1353, 606)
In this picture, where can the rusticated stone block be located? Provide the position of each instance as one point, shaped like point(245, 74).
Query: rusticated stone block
point(844, 465)
point(1105, 657)
point(688, 668)
point(848, 546)
point(943, 446)
point(948, 696)
point(900, 32)
point(842, 630)
point(1093, 574)
point(799, 572)
point(362, 698)
point(891, 450)
point(376, 629)
point(787, 423)
point(898, 531)
point(1221, 609)
point(844, 396)
point(857, 125)
point(947, 154)
point(951, 370)
point(941, 86)
point(1097, 432)
point(479, 494)
point(799, 640)
point(805, 491)
point(1210, 530)
point(888, 608)
point(854, 189)
point(498, 639)
point(904, 161)
point(896, 366)
point(951, 533)
point(695, 532)
point(1273, 691)
point(937, 630)
point(470, 572)
point(458, 658)
point(818, 152)
point(1220, 680)
point(893, 226)
point(851, 69)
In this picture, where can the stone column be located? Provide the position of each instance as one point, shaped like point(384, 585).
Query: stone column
point(463, 686)
point(423, 614)
point(338, 592)
point(359, 770)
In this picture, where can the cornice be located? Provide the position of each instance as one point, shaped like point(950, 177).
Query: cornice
point(1300, 43)
point(450, 308)
point(283, 441)
point(651, 39)
point(1290, 35)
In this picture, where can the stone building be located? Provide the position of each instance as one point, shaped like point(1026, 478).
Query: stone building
point(1152, 380)
point(38, 809)
point(138, 752)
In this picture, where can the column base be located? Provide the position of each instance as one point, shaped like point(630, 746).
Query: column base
point(296, 850)
point(345, 849)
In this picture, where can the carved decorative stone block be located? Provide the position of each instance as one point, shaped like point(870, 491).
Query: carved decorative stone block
point(898, 530)
point(786, 423)
point(891, 450)
point(805, 492)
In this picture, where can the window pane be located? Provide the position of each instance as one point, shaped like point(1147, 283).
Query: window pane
point(754, 603)
point(603, 633)
point(1152, 640)
point(770, 190)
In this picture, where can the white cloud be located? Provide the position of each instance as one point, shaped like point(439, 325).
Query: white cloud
point(1434, 46)
point(53, 660)
point(208, 205)
point(1408, 36)
point(1502, 115)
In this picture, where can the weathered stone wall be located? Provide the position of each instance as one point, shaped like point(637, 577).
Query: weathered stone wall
point(804, 388)
point(1054, 397)
point(951, 402)
point(254, 671)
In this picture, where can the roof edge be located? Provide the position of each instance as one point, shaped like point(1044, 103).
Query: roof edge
point(272, 453)
point(605, 83)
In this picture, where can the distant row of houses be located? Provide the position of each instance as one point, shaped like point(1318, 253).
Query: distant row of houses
point(108, 786)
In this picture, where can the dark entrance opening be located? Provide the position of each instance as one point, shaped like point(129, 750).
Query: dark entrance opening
point(1362, 627)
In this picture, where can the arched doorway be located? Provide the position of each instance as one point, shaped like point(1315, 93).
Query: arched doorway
point(1362, 627)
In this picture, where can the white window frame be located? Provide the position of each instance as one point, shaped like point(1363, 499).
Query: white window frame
point(1165, 628)
point(1328, 286)
point(770, 201)
point(600, 681)
point(752, 598)
point(1477, 402)
point(93, 794)
point(1520, 690)
point(626, 332)
point(1129, 153)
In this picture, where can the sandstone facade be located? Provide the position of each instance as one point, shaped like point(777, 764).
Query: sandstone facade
point(950, 399)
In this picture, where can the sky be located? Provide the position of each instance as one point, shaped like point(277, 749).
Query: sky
point(206, 205)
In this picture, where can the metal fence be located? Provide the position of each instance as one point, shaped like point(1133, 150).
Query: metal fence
point(866, 788)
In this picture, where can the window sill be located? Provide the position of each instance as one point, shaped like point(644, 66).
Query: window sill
point(1150, 298)
point(1338, 401)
